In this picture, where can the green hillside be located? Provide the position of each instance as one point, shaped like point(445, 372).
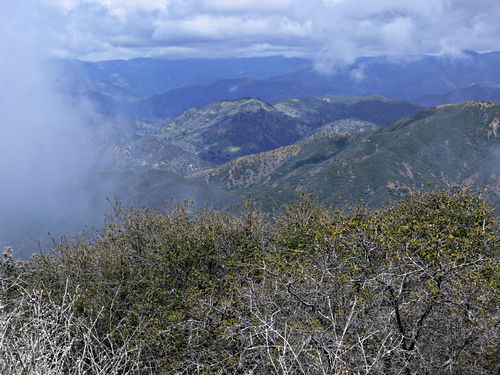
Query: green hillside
point(224, 130)
point(253, 170)
point(442, 145)
point(219, 132)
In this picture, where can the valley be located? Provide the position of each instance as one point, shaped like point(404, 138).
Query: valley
point(226, 137)
point(249, 187)
point(221, 142)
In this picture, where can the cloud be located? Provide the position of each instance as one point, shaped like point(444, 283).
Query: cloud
point(229, 28)
point(333, 32)
point(118, 7)
point(248, 5)
point(45, 149)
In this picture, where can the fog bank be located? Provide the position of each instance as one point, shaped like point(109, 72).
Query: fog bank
point(45, 150)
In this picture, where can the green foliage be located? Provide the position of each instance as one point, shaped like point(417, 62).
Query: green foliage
point(409, 288)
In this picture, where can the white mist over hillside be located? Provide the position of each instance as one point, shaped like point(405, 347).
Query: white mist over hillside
point(44, 148)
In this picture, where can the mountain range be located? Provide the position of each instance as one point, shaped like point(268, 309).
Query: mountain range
point(219, 132)
point(140, 78)
point(271, 128)
point(342, 160)
point(451, 144)
point(274, 79)
point(161, 90)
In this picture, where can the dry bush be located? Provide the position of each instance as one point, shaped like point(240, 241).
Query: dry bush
point(41, 335)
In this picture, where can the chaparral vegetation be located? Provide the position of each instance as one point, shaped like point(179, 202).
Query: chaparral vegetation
point(410, 288)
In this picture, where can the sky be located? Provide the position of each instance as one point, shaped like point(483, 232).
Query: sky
point(331, 32)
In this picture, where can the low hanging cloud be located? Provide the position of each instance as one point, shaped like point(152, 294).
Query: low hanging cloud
point(45, 148)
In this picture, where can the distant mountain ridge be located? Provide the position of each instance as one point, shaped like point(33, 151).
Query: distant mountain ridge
point(143, 77)
point(408, 79)
point(155, 89)
point(475, 92)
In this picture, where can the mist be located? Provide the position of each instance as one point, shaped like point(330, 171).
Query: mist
point(46, 151)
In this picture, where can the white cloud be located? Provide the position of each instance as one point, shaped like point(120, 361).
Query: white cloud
point(227, 28)
point(334, 32)
point(399, 35)
point(44, 152)
point(118, 6)
point(248, 5)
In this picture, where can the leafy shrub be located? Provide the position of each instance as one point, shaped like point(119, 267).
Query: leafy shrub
point(408, 289)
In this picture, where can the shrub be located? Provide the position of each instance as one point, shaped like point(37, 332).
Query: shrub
point(411, 288)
